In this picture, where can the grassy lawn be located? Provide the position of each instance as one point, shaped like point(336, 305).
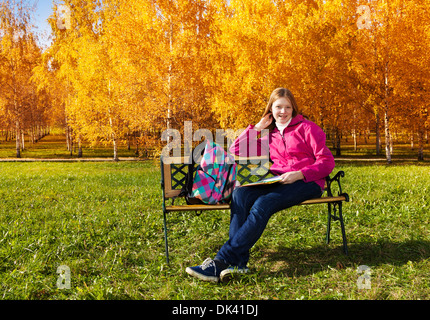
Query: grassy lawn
point(104, 221)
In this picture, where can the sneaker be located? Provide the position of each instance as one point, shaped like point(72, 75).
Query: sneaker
point(232, 272)
point(209, 270)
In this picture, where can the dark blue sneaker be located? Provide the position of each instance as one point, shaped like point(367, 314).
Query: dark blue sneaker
point(232, 272)
point(209, 270)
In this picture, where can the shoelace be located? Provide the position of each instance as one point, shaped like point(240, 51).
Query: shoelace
point(208, 263)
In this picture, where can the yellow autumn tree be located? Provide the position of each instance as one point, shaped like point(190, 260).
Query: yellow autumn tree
point(19, 54)
point(136, 68)
point(81, 54)
point(162, 60)
point(265, 44)
point(410, 68)
point(132, 66)
point(249, 60)
point(383, 50)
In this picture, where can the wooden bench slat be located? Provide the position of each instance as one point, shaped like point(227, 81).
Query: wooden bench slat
point(202, 207)
point(198, 207)
point(172, 193)
point(324, 200)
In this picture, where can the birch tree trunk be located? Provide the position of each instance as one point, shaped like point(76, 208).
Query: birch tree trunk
point(378, 135)
point(113, 135)
point(388, 140)
point(18, 139)
point(421, 139)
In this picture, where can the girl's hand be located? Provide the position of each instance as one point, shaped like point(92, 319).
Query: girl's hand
point(264, 122)
point(291, 177)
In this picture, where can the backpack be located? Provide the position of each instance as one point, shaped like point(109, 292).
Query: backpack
point(213, 180)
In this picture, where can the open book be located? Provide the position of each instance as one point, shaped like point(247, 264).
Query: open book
point(264, 181)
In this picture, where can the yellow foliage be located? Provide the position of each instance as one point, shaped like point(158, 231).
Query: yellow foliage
point(147, 65)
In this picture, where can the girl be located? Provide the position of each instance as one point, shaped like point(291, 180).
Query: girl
point(302, 160)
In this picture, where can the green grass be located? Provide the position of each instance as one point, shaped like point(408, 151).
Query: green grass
point(104, 221)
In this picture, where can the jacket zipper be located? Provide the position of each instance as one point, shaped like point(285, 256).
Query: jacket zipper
point(285, 146)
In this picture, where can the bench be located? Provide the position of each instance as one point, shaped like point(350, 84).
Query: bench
point(173, 178)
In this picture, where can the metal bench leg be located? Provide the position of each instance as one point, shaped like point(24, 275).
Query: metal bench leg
point(165, 236)
point(335, 218)
point(328, 224)
point(345, 247)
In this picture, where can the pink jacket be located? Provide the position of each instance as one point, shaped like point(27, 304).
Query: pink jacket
point(302, 148)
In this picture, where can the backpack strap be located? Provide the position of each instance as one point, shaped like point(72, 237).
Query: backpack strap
point(189, 178)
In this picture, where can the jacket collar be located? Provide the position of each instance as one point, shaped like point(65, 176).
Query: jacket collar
point(295, 121)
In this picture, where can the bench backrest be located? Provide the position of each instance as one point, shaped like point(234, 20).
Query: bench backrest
point(174, 172)
point(248, 170)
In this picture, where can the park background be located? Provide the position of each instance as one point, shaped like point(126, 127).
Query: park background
point(107, 78)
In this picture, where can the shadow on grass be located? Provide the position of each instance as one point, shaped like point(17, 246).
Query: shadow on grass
point(303, 262)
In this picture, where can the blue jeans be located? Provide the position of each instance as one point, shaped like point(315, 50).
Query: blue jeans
point(251, 209)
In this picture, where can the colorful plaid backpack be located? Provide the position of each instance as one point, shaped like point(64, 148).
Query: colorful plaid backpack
point(213, 180)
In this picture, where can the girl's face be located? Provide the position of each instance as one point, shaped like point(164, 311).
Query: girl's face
point(282, 110)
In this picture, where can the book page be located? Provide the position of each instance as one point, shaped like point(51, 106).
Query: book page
point(264, 181)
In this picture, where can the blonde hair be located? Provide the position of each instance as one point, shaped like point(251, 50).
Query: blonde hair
point(276, 94)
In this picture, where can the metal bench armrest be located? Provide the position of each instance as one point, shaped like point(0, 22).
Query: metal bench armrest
point(336, 178)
